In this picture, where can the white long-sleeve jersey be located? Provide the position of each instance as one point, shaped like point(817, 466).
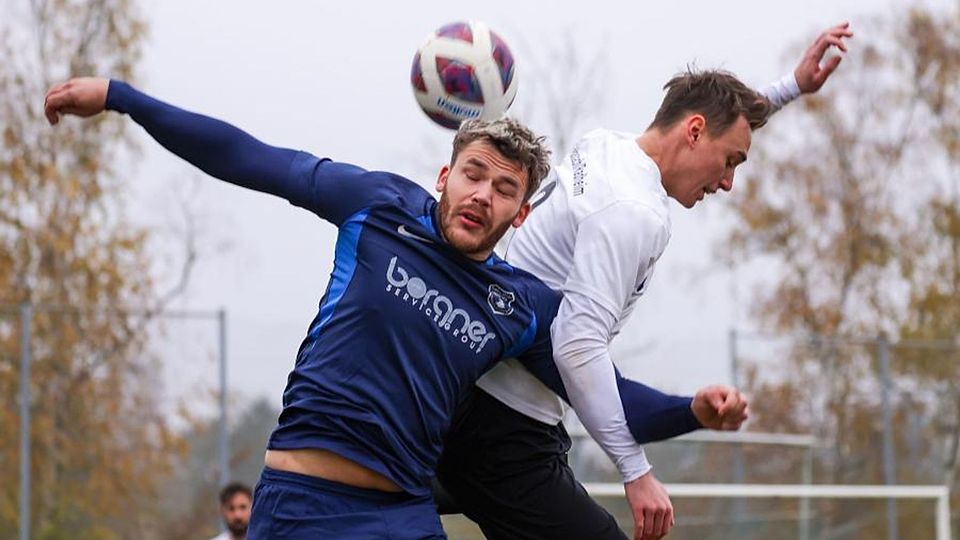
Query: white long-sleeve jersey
point(602, 223)
point(596, 238)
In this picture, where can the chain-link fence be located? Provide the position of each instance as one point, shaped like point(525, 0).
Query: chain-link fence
point(876, 414)
point(108, 404)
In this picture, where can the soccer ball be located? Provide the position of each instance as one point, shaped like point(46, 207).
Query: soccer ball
point(463, 71)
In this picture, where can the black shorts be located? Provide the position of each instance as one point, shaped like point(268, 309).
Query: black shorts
point(509, 474)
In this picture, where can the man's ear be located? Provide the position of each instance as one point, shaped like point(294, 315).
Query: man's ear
point(442, 178)
point(696, 126)
point(521, 215)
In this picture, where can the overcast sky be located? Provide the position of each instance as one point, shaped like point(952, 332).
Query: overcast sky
point(332, 78)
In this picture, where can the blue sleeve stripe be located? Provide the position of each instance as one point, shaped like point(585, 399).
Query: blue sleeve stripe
point(427, 221)
point(344, 265)
point(526, 339)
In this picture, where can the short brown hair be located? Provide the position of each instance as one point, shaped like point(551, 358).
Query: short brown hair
point(718, 95)
point(512, 139)
point(233, 489)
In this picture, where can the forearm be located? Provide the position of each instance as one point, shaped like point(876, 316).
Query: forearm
point(590, 382)
point(580, 335)
point(652, 415)
point(219, 149)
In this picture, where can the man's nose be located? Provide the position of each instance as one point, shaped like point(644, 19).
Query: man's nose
point(483, 193)
point(726, 183)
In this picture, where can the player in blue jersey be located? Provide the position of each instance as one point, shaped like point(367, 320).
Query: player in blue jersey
point(417, 308)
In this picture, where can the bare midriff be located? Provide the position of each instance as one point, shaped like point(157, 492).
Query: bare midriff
point(329, 466)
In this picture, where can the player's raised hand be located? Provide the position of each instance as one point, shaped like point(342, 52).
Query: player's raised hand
point(83, 96)
point(720, 407)
point(809, 73)
point(651, 507)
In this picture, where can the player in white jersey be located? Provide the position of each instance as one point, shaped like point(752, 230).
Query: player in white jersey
point(596, 237)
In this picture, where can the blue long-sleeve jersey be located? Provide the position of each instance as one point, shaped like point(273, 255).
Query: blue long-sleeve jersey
point(407, 323)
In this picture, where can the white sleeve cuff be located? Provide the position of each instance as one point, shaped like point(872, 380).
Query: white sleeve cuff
point(633, 466)
point(782, 91)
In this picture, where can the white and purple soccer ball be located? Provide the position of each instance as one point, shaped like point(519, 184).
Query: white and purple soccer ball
point(463, 71)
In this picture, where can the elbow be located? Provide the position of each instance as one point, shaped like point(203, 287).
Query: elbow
point(575, 353)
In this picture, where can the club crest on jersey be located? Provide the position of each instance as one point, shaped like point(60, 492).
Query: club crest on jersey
point(500, 300)
point(415, 292)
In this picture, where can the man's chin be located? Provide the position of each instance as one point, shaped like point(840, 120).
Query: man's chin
point(469, 248)
point(466, 243)
point(239, 531)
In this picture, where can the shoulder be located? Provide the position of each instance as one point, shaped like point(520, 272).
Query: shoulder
point(629, 218)
point(607, 167)
point(400, 187)
point(374, 187)
point(601, 141)
point(527, 285)
point(599, 134)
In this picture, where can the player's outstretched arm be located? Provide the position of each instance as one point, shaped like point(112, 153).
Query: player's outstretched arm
point(653, 415)
point(218, 148)
point(811, 73)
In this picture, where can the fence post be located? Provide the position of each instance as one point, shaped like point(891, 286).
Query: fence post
point(889, 465)
point(224, 435)
point(739, 505)
point(26, 320)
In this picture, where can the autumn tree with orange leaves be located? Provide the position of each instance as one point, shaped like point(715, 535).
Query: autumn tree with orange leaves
point(851, 203)
point(100, 445)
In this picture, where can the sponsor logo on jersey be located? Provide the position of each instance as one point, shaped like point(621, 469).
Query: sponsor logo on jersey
point(500, 300)
point(415, 292)
point(579, 172)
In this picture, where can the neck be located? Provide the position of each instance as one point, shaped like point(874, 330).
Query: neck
point(656, 144)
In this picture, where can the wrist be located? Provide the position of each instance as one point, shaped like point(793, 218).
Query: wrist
point(648, 473)
point(634, 467)
point(790, 87)
point(695, 417)
point(116, 96)
point(782, 91)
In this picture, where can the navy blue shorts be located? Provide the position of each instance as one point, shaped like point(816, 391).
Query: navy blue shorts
point(294, 506)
